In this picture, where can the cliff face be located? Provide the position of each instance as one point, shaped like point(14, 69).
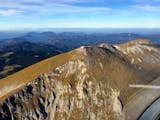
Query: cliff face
point(91, 85)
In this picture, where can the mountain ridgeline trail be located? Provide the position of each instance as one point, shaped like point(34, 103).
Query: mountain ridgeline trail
point(88, 83)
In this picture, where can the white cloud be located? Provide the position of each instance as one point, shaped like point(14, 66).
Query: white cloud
point(149, 8)
point(47, 6)
point(146, 1)
point(9, 12)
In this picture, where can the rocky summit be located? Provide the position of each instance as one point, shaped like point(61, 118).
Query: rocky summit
point(88, 83)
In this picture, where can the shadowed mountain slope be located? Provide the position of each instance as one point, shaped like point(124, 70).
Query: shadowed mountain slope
point(87, 83)
point(17, 55)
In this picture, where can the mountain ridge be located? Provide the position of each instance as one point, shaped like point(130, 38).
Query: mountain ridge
point(76, 80)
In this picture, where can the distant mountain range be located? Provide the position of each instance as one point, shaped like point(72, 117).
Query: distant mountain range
point(71, 40)
point(19, 52)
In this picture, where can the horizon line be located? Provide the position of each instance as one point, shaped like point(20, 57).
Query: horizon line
point(26, 28)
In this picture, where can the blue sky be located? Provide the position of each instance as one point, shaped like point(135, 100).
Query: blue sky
point(17, 14)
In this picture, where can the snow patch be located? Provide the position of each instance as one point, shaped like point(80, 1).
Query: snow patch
point(132, 61)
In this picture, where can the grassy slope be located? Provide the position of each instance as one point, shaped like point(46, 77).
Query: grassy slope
point(17, 81)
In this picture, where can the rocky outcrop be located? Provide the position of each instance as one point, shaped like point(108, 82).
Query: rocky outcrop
point(48, 97)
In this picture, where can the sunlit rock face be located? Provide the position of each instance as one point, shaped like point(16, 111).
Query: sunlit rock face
point(92, 85)
point(77, 94)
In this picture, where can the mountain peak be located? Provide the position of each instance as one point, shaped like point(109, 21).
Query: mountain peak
point(135, 42)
